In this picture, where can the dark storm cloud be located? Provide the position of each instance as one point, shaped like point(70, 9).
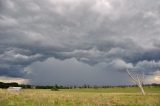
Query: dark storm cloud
point(119, 33)
point(13, 61)
point(72, 72)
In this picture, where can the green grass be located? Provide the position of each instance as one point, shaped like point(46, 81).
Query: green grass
point(82, 97)
point(117, 90)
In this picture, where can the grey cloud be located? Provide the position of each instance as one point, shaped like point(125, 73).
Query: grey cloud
point(149, 67)
point(119, 33)
point(14, 60)
point(73, 72)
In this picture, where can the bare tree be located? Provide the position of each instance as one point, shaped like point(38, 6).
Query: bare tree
point(138, 80)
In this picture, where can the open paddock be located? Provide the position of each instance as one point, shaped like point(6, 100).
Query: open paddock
point(81, 97)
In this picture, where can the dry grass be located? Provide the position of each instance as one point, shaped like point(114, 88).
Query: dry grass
point(76, 98)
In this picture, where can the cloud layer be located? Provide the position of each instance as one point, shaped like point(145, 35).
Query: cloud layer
point(119, 33)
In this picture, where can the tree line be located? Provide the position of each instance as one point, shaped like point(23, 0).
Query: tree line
point(56, 86)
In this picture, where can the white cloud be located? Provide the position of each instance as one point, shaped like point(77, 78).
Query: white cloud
point(12, 79)
point(119, 64)
point(7, 21)
point(103, 7)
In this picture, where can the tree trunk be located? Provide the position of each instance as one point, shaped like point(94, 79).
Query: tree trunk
point(142, 90)
point(137, 81)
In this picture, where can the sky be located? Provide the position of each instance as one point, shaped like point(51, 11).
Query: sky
point(76, 42)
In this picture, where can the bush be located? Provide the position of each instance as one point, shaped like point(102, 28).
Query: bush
point(54, 89)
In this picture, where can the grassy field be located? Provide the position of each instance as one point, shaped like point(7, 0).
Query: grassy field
point(82, 97)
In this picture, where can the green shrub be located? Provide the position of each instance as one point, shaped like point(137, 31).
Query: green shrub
point(54, 89)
